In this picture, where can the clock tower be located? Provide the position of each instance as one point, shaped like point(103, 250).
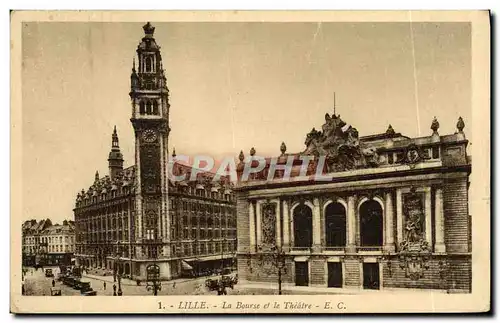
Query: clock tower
point(150, 118)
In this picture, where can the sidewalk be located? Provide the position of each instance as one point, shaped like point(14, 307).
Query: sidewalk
point(329, 290)
point(129, 282)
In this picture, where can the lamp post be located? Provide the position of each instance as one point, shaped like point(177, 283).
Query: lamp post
point(274, 256)
point(153, 270)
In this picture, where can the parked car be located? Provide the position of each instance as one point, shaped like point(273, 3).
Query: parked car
point(229, 281)
point(84, 287)
point(55, 291)
point(49, 273)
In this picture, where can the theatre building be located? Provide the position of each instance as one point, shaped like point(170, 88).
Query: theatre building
point(387, 212)
point(136, 217)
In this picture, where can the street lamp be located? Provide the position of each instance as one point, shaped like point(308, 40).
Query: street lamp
point(153, 270)
point(274, 256)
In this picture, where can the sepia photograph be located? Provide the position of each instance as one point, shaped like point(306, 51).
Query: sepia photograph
point(235, 162)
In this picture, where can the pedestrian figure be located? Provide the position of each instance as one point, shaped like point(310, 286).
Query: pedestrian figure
point(53, 283)
point(104, 285)
point(114, 288)
point(173, 285)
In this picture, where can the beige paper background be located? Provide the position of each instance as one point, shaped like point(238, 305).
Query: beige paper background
point(479, 199)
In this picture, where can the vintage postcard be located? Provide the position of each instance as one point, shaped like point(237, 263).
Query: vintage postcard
point(250, 162)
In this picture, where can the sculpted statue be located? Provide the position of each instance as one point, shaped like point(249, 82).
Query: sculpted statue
point(339, 143)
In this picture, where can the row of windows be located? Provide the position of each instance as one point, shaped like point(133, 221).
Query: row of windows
point(219, 195)
point(207, 234)
point(97, 237)
point(207, 248)
point(113, 193)
point(209, 220)
point(33, 240)
point(148, 107)
point(371, 225)
point(428, 153)
point(201, 207)
point(54, 248)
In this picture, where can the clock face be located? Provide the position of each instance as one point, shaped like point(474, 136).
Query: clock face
point(149, 136)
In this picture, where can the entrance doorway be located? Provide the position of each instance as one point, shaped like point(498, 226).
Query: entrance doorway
point(301, 274)
point(335, 274)
point(371, 276)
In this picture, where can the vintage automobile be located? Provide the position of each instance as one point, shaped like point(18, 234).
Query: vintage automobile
point(224, 281)
point(84, 287)
point(55, 291)
point(212, 284)
point(229, 281)
point(77, 283)
point(49, 273)
point(69, 281)
point(90, 293)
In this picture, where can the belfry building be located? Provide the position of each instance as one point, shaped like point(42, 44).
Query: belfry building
point(388, 211)
point(136, 216)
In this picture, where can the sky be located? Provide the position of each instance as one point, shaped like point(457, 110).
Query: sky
point(233, 86)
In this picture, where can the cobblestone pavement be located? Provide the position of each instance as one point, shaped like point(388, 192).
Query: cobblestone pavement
point(36, 283)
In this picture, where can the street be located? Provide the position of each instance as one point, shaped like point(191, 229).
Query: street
point(36, 284)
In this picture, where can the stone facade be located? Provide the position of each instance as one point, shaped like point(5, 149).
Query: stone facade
point(137, 217)
point(45, 243)
point(390, 211)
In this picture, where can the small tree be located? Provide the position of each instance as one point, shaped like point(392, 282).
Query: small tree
point(272, 259)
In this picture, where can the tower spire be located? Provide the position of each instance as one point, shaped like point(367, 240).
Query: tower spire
point(115, 159)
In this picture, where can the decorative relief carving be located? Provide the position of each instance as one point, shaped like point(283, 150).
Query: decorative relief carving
point(414, 217)
point(340, 144)
point(269, 224)
point(150, 168)
point(414, 249)
point(413, 155)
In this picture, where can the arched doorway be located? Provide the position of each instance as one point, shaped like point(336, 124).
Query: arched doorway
point(335, 225)
point(302, 226)
point(371, 224)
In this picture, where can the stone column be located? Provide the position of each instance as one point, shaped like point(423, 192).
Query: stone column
point(389, 223)
point(439, 222)
point(428, 213)
point(286, 226)
point(251, 225)
point(316, 226)
point(351, 223)
point(259, 223)
point(278, 223)
point(399, 211)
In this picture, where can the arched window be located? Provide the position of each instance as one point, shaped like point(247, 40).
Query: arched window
point(149, 63)
point(155, 107)
point(302, 226)
point(371, 224)
point(142, 109)
point(148, 107)
point(335, 225)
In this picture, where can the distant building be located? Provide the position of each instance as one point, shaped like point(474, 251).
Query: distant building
point(48, 244)
point(390, 212)
point(136, 217)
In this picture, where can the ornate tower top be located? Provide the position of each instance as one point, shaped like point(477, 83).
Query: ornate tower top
point(148, 83)
point(148, 29)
